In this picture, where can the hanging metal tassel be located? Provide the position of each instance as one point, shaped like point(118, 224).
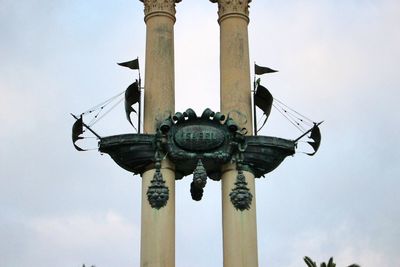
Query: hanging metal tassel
point(241, 196)
point(158, 193)
point(200, 175)
point(199, 181)
point(197, 193)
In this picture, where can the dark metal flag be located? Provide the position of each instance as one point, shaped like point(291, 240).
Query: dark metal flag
point(133, 64)
point(262, 70)
point(132, 96)
point(77, 130)
point(316, 136)
point(263, 99)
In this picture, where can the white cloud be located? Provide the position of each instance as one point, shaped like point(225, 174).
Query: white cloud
point(83, 230)
point(104, 239)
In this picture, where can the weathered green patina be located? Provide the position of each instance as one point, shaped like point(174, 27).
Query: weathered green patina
point(135, 152)
point(199, 145)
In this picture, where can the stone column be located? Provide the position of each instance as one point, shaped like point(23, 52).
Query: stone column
point(239, 227)
point(158, 225)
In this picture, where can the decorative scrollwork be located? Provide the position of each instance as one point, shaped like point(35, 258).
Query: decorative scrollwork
point(227, 7)
point(201, 145)
point(164, 6)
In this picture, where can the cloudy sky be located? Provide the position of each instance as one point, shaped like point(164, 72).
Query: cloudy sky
point(338, 62)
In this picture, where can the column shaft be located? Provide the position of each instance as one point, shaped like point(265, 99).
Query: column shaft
point(235, 92)
point(158, 225)
point(159, 94)
point(239, 227)
point(157, 246)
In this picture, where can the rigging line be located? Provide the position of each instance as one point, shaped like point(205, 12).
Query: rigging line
point(293, 118)
point(283, 114)
point(288, 114)
point(111, 100)
point(293, 110)
point(283, 104)
point(99, 106)
point(95, 117)
point(108, 111)
point(279, 109)
point(93, 121)
point(104, 103)
point(292, 114)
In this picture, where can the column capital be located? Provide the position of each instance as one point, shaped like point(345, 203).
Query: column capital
point(232, 8)
point(159, 7)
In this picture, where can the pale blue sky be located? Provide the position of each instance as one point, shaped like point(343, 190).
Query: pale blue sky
point(338, 62)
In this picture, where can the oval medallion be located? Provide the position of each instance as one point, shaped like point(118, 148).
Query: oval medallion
point(199, 137)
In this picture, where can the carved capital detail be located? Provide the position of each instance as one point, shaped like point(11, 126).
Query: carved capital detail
point(159, 6)
point(232, 7)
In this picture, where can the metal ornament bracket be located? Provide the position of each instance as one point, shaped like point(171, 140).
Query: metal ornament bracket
point(198, 146)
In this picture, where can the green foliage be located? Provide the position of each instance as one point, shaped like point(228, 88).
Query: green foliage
point(311, 263)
